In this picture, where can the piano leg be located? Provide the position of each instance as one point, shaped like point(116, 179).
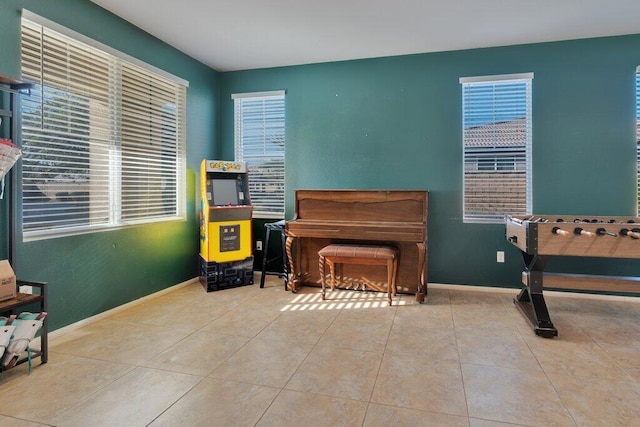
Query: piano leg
point(530, 300)
point(294, 279)
point(322, 277)
point(421, 293)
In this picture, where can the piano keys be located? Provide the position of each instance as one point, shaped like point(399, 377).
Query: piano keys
point(395, 218)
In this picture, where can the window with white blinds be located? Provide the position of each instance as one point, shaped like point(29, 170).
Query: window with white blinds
point(103, 138)
point(260, 143)
point(638, 138)
point(497, 147)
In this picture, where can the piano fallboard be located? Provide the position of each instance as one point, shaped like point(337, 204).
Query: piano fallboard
point(362, 230)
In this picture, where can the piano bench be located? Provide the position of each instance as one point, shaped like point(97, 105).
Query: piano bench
point(359, 254)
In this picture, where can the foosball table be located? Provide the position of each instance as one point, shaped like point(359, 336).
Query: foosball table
point(541, 237)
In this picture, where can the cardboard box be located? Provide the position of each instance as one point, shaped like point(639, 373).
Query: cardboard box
point(7, 281)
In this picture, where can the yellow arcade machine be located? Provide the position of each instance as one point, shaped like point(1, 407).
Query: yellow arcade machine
point(226, 259)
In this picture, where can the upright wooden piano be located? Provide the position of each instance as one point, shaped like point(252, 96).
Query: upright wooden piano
point(396, 218)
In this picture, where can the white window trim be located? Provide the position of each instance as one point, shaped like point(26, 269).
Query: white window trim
point(180, 165)
point(637, 76)
point(527, 77)
point(103, 47)
point(238, 155)
point(272, 93)
point(496, 78)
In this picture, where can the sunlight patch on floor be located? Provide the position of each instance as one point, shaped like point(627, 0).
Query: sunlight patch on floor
point(340, 299)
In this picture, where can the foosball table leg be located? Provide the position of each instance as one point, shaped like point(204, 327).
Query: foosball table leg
point(530, 300)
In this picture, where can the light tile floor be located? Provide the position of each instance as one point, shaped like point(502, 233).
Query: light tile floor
point(266, 357)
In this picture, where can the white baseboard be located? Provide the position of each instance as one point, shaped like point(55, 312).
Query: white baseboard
point(567, 294)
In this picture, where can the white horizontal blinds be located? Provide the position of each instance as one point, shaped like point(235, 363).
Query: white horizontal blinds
point(260, 142)
point(152, 141)
point(497, 148)
point(103, 140)
point(67, 132)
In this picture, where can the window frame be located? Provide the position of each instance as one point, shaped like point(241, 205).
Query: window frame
point(637, 85)
point(266, 190)
point(136, 193)
point(484, 140)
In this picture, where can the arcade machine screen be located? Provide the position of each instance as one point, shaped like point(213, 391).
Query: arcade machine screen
point(225, 192)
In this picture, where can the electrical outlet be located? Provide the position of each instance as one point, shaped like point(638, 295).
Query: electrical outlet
point(500, 256)
point(25, 289)
point(258, 245)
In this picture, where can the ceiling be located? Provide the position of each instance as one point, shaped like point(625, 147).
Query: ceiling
point(230, 35)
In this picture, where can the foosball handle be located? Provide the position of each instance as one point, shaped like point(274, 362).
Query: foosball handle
point(582, 232)
point(634, 234)
point(604, 232)
point(559, 231)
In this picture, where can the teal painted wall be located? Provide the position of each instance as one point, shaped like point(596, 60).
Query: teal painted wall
point(395, 123)
point(379, 123)
point(92, 273)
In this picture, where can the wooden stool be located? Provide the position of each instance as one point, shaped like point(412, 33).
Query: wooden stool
point(359, 254)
